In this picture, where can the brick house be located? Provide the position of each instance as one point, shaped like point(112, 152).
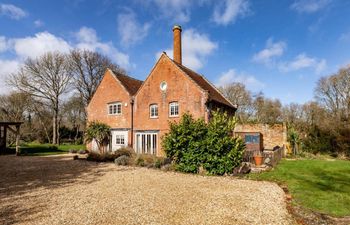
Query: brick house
point(139, 112)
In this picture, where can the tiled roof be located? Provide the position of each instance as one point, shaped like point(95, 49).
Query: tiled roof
point(132, 85)
point(214, 94)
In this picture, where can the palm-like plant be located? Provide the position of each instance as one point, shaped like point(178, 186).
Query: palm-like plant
point(99, 132)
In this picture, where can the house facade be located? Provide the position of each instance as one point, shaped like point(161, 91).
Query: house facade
point(139, 112)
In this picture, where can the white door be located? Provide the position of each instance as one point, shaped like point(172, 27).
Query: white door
point(119, 139)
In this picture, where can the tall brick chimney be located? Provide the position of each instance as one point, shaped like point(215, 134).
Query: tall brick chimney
point(177, 44)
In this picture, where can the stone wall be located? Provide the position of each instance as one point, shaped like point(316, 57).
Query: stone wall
point(273, 135)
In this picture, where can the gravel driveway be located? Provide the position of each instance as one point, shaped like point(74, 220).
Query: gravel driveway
point(58, 190)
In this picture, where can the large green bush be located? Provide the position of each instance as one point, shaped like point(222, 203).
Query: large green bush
point(184, 144)
point(223, 151)
point(192, 144)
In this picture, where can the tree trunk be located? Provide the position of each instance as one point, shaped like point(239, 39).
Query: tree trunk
point(54, 128)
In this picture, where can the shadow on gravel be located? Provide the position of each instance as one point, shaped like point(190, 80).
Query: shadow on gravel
point(20, 176)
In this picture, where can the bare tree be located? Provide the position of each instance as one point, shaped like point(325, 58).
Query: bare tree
point(45, 78)
point(74, 113)
point(13, 106)
point(240, 96)
point(267, 110)
point(334, 93)
point(88, 69)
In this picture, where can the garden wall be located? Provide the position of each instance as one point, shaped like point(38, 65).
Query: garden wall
point(273, 135)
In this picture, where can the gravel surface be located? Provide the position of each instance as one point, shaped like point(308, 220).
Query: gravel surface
point(59, 190)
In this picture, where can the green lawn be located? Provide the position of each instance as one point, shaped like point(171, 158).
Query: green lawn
point(321, 185)
point(48, 149)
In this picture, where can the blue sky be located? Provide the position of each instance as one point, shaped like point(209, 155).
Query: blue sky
point(278, 47)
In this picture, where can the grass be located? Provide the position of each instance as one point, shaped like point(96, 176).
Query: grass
point(34, 149)
point(320, 185)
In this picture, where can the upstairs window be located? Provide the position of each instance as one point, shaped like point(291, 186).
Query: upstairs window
point(115, 108)
point(153, 111)
point(174, 109)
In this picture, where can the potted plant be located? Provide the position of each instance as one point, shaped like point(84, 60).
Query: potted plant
point(258, 158)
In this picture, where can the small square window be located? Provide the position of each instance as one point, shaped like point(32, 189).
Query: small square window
point(120, 139)
point(174, 109)
point(115, 108)
point(153, 111)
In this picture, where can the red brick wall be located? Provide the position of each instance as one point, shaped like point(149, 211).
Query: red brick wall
point(110, 90)
point(273, 135)
point(179, 88)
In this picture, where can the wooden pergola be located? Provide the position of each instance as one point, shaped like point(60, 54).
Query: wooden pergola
point(13, 127)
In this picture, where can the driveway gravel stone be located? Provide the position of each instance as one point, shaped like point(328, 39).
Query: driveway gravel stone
point(60, 190)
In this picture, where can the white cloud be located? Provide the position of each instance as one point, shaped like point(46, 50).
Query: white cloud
point(38, 23)
point(309, 6)
point(302, 61)
point(229, 11)
point(12, 11)
point(195, 48)
point(39, 44)
point(3, 44)
point(231, 76)
point(177, 11)
point(272, 50)
point(7, 67)
point(87, 39)
point(130, 30)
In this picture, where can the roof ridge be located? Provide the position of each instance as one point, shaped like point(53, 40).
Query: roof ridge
point(125, 75)
point(206, 80)
point(217, 89)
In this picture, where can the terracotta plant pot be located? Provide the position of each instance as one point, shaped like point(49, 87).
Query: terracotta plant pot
point(258, 160)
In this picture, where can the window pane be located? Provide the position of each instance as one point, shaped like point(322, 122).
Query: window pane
point(119, 108)
point(154, 143)
point(138, 143)
point(148, 150)
point(143, 143)
point(110, 109)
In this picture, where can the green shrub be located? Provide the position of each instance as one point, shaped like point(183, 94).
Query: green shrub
point(192, 144)
point(101, 157)
point(184, 143)
point(223, 151)
point(53, 148)
point(151, 161)
point(122, 160)
point(139, 161)
point(125, 151)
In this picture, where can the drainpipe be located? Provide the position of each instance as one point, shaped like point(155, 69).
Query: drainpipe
point(132, 121)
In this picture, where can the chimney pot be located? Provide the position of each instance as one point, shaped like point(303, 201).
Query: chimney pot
point(177, 44)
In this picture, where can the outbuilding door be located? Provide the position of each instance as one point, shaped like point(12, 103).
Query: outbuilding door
point(119, 139)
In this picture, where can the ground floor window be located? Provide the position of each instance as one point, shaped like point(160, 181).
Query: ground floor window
point(146, 143)
point(120, 139)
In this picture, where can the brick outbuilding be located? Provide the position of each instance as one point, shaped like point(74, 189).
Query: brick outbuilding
point(139, 112)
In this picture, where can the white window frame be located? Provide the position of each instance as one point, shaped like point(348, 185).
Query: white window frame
point(146, 143)
point(153, 111)
point(114, 108)
point(120, 139)
point(171, 106)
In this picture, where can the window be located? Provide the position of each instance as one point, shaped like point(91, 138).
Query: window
point(174, 109)
point(251, 139)
point(163, 86)
point(120, 139)
point(153, 111)
point(146, 143)
point(115, 108)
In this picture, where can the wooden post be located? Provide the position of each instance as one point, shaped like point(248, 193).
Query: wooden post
point(17, 139)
